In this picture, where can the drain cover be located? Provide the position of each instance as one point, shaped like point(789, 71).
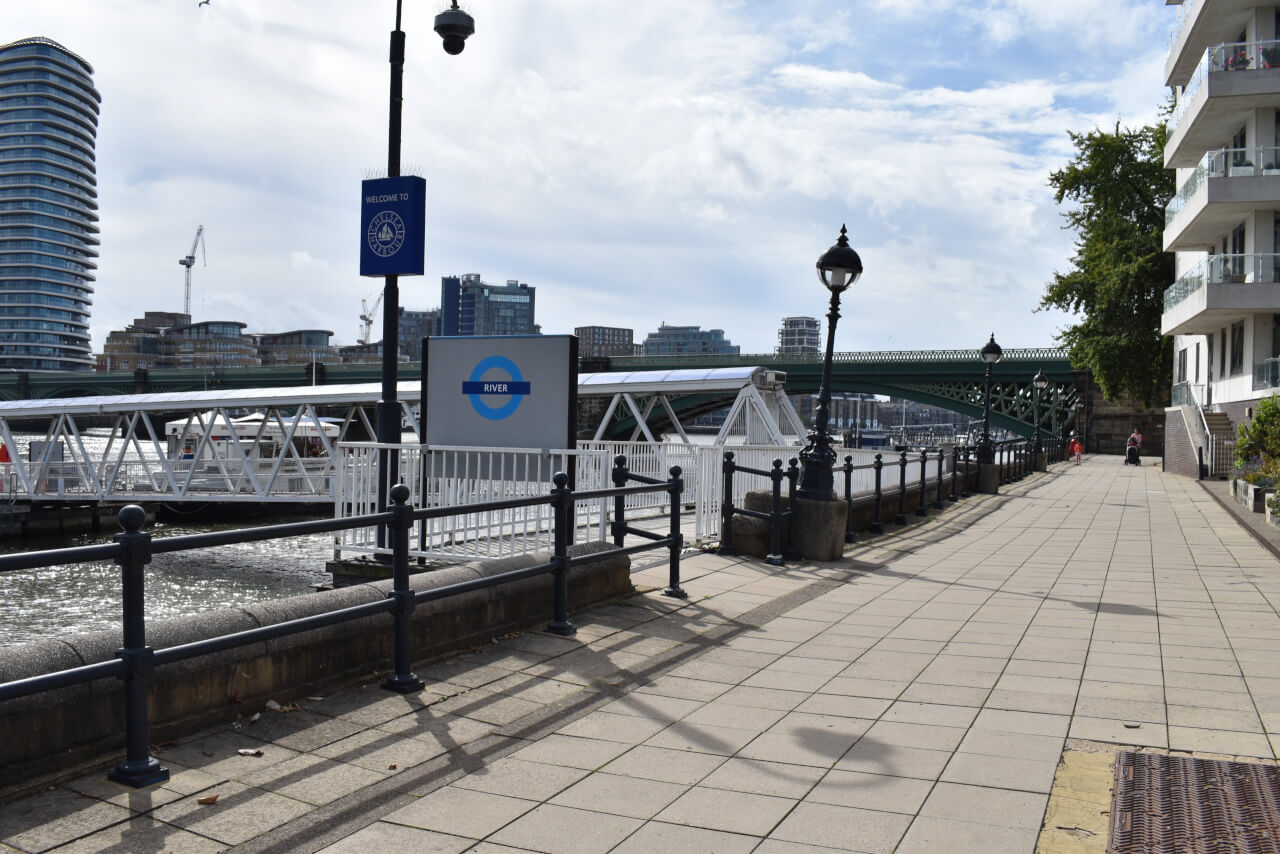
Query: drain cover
point(1205, 806)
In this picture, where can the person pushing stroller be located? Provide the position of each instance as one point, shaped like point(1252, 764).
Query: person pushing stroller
point(1133, 448)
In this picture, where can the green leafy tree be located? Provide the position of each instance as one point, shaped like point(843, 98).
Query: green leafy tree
point(1260, 438)
point(1115, 189)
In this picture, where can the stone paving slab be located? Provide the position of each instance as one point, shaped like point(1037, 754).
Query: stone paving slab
point(915, 696)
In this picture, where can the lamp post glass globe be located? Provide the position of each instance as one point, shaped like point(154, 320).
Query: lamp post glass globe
point(838, 268)
point(990, 354)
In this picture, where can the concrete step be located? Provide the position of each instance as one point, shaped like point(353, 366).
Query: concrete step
point(1219, 424)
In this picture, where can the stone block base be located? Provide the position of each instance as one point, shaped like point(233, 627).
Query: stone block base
point(989, 478)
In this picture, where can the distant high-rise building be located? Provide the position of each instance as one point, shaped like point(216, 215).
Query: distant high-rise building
point(414, 326)
point(469, 306)
point(688, 341)
point(48, 206)
point(799, 335)
point(597, 341)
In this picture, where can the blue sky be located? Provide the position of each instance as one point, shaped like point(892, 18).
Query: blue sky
point(638, 163)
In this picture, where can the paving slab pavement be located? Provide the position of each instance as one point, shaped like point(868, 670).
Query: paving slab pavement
point(915, 696)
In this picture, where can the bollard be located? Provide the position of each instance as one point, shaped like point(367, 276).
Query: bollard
point(937, 495)
point(955, 472)
point(562, 511)
point(774, 558)
point(848, 499)
point(1200, 462)
point(793, 478)
point(901, 517)
point(922, 508)
point(403, 680)
point(676, 488)
point(619, 477)
point(726, 506)
point(139, 768)
point(876, 527)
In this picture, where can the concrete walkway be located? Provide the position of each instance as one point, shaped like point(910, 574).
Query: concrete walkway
point(916, 696)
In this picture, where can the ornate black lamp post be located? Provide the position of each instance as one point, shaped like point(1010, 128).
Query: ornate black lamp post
point(838, 268)
point(990, 354)
point(454, 26)
point(1039, 381)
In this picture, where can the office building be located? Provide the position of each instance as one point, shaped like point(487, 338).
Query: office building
point(469, 306)
point(601, 341)
point(1223, 309)
point(48, 206)
point(688, 341)
point(414, 326)
point(799, 336)
point(297, 347)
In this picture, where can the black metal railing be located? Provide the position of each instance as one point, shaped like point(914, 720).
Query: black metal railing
point(136, 662)
point(777, 516)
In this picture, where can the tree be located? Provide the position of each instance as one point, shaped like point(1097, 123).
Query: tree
point(1116, 187)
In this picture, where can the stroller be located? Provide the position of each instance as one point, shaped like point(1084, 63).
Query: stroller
point(1131, 453)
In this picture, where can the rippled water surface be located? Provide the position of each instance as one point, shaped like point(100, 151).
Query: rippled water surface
point(86, 596)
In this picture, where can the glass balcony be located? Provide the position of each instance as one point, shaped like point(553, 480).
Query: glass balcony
point(1223, 270)
point(1184, 11)
point(1232, 56)
point(1187, 394)
point(1223, 163)
point(1266, 374)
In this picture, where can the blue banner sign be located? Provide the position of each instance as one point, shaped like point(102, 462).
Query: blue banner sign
point(393, 217)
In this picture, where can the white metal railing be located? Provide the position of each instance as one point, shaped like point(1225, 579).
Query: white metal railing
point(1222, 455)
point(1221, 270)
point(1232, 56)
point(267, 480)
point(1223, 163)
point(447, 476)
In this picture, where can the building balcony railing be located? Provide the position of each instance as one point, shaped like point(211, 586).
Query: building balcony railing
point(1223, 163)
point(1184, 11)
point(1187, 394)
point(1232, 56)
point(1222, 270)
point(1266, 374)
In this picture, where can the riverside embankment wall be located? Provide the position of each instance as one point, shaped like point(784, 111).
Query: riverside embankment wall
point(58, 731)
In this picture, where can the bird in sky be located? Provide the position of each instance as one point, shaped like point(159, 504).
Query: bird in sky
point(203, 3)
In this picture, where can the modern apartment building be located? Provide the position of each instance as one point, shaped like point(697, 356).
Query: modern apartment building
point(799, 335)
point(48, 206)
point(1223, 310)
point(599, 341)
point(414, 326)
point(688, 341)
point(166, 339)
point(469, 306)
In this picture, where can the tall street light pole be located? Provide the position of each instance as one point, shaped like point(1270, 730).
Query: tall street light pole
point(1039, 381)
point(838, 268)
point(990, 354)
point(454, 26)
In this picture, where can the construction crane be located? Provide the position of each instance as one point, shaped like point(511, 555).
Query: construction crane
point(189, 262)
point(367, 314)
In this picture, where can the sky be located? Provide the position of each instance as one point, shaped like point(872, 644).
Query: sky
point(638, 163)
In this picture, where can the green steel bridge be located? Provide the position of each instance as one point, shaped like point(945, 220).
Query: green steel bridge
point(952, 379)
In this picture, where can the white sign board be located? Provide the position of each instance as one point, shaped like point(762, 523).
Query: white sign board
point(501, 391)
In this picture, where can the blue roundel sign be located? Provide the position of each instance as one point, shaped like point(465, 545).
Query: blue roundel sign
point(506, 385)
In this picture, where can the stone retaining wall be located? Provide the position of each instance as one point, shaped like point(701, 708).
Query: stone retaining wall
point(57, 730)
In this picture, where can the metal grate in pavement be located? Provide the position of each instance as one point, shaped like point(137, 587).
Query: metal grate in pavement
point(1193, 806)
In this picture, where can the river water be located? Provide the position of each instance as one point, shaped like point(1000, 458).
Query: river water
point(86, 596)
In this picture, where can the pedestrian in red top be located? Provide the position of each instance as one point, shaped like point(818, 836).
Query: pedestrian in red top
point(1075, 449)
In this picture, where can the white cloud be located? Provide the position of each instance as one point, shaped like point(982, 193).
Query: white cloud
point(636, 164)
